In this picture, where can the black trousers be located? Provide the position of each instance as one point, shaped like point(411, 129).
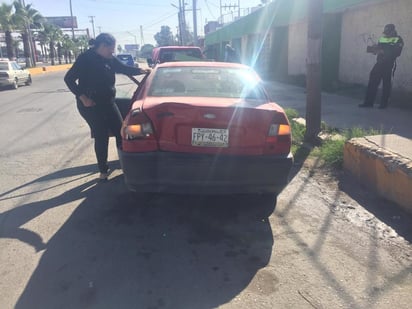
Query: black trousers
point(102, 120)
point(381, 71)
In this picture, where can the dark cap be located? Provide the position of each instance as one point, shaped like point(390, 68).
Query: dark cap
point(103, 38)
point(389, 28)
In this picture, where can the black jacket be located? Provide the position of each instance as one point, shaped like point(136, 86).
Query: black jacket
point(391, 48)
point(94, 76)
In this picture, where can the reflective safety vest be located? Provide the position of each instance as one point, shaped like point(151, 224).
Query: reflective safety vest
point(391, 47)
point(390, 40)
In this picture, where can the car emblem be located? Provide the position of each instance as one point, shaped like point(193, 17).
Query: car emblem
point(209, 116)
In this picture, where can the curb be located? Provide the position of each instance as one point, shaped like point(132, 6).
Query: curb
point(381, 169)
point(51, 68)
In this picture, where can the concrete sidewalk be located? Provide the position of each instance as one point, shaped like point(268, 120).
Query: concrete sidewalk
point(343, 112)
point(381, 162)
point(44, 68)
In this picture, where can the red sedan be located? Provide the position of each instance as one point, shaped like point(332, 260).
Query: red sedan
point(205, 127)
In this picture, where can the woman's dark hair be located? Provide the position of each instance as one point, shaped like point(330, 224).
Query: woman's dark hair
point(103, 38)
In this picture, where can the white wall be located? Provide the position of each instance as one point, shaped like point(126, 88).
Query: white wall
point(367, 22)
point(297, 48)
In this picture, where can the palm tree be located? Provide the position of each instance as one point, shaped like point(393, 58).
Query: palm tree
point(26, 17)
point(6, 24)
point(16, 48)
point(43, 40)
point(67, 46)
point(82, 43)
point(52, 35)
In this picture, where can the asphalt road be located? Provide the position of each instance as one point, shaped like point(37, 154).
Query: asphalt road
point(67, 241)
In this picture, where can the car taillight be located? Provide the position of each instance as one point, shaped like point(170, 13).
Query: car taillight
point(278, 139)
point(278, 129)
point(137, 126)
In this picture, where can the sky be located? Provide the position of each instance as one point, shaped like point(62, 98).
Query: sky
point(123, 18)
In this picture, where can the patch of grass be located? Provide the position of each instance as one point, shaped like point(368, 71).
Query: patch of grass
point(331, 149)
point(299, 151)
point(291, 113)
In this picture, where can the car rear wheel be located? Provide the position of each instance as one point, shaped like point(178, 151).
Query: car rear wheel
point(267, 203)
point(15, 84)
point(29, 81)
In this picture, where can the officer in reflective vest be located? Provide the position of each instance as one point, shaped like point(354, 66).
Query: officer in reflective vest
point(387, 50)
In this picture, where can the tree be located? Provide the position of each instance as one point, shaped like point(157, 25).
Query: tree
point(43, 40)
point(26, 18)
point(81, 44)
point(7, 25)
point(67, 45)
point(146, 51)
point(164, 37)
point(16, 49)
point(52, 35)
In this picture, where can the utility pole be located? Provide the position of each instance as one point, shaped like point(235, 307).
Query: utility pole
point(183, 19)
point(92, 21)
point(313, 74)
point(72, 22)
point(194, 23)
point(179, 17)
point(221, 14)
point(230, 7)
point(141, 36)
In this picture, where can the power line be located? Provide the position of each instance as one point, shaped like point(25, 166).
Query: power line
point(208, 8)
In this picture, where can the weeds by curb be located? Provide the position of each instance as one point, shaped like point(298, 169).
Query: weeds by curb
point(332, 141)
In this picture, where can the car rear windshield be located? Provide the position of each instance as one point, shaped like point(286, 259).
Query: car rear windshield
point(167, 55)
point(207, 82)
point(4, 66)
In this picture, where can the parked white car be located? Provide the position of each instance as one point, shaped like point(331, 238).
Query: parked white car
point(13, 75)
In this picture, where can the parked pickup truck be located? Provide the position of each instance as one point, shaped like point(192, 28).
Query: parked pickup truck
point(174, 53)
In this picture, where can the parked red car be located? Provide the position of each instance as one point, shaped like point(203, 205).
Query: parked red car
point(174, 53)
point(205, 127)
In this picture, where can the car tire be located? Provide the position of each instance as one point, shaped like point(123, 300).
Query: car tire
point(15, 84)
point(29, 81)
point(267, 204)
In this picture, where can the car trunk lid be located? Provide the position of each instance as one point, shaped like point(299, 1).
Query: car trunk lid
point(212, 125)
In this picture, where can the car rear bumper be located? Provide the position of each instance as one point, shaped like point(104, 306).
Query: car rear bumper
point(207, 174)
point(6, 82)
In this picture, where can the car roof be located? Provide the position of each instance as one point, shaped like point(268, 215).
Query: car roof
point(206, 64)
point(177, 47)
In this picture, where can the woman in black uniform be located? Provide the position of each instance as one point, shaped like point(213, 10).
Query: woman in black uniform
point(92, 80)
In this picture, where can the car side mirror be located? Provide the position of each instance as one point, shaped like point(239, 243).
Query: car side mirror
point(150, 61)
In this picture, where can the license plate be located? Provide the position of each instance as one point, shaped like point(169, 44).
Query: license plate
point(207, 137)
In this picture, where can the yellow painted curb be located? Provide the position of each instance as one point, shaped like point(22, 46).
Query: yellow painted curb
point(389, 174)
point(49, 68)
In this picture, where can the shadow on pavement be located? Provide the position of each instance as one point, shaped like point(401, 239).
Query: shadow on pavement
point(386, 211)
point(123, 250)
